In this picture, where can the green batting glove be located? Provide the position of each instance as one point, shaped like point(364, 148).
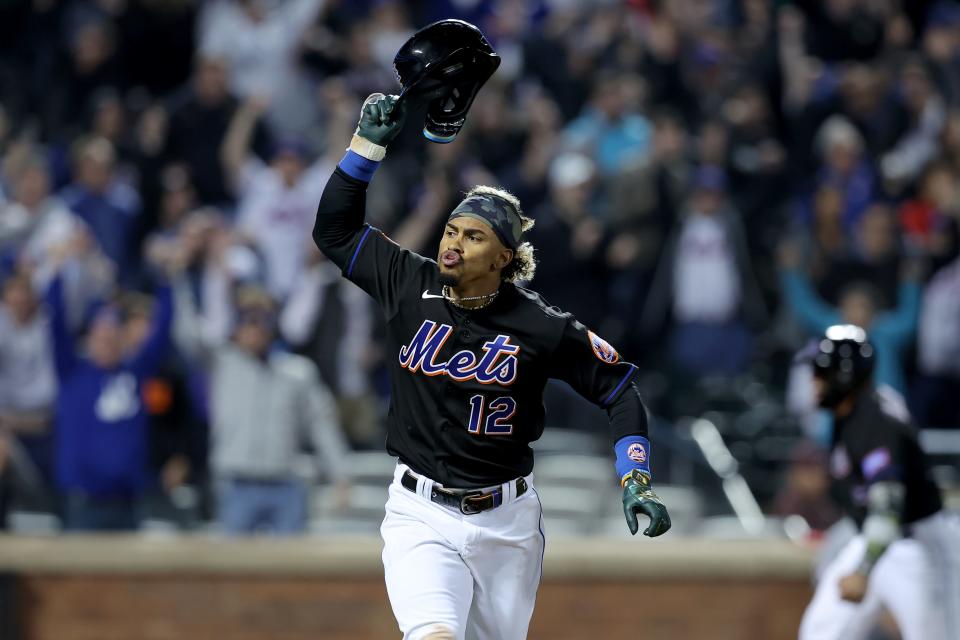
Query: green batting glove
point(380, 119)
point(638, 496)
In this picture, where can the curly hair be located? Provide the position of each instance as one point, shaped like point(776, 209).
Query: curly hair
point(524, 264)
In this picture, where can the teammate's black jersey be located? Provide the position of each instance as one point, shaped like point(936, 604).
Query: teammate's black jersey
point(467, 385)
point(872, 445)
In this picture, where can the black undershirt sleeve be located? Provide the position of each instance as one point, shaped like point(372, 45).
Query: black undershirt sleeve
point(340, 217)
point(628, 415)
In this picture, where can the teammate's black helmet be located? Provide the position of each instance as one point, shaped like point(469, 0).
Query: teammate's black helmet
point(444, 65)
point(844, 360)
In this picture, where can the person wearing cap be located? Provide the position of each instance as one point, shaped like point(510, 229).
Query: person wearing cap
point(905, 557)
point(265, 406)
point(705, 289)
point(101, 429)
point(471, 350)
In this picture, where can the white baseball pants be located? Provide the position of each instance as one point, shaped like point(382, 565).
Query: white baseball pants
point(915, 580)
point(475, 576)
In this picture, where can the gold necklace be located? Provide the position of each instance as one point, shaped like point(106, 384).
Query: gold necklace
point(489, 297)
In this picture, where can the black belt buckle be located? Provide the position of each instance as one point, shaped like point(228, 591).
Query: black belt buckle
point(466, 508)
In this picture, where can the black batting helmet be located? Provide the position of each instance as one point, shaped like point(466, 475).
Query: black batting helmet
point(844, 360)
point(444, 65)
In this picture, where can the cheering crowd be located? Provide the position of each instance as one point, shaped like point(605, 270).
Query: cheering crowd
point(713, 182)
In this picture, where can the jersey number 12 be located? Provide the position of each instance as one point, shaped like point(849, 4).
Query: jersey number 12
point(497, 413)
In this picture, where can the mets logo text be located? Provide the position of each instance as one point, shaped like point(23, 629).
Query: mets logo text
point(602, 349)
point(497, 365)
point(637, 453)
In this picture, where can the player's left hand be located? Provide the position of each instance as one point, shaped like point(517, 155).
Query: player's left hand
point(638, 496)
point(853, 587)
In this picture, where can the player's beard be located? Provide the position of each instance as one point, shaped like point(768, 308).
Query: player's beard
point(449, 280)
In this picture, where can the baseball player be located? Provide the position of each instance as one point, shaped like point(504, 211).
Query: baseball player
point(472, 351)
point(905, 557)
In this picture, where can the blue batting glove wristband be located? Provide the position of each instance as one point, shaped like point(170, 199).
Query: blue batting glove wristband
point(633, 452)
point(356, 166)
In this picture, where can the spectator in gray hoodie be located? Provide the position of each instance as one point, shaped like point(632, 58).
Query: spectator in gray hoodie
point(265, 405)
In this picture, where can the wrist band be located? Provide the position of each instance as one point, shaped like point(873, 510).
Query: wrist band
point(633, 452)
point(367, 149)
point(357, 166)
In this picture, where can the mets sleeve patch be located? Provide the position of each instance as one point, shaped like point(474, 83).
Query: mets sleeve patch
point(875, 462)
point(602, 349)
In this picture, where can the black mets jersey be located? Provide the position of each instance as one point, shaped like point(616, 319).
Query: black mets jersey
point(870, 445)
point(467, 385)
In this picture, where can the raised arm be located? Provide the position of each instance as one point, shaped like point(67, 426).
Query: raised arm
point(235, 148)
point(155, 347)
point(815, 314)
point(365, 256)
point(64, 349)
point(900, 324)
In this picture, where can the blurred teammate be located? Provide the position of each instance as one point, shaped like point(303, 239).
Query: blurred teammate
point(906, 556)
point(463, 534)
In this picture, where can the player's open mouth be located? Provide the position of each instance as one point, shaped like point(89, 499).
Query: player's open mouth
point(450, 258)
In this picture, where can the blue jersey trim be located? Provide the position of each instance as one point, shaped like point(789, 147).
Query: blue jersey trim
point(633, 452)
point(626, 377)
point(356, 166)
point(356, 252)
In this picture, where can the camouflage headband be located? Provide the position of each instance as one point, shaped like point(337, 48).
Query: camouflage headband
point(501, 217)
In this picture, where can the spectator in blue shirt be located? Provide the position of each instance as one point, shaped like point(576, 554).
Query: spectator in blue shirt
point(609, 130)
point(891, 332)
point(101, 425)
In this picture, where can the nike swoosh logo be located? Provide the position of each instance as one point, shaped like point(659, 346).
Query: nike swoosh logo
point(426, 295)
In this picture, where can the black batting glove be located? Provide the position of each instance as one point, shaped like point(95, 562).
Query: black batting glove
point(638, 496)
point(381, 119)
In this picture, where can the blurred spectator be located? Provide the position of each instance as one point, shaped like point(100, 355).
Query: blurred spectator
point(199, 117)
point(28, 391)
point(257, 40)
point(610, 130)
point(845, 169)
point(277, 202)
point(891, 332)
point(164, 395)
point(706, 286)
point(844, 29)
point(930, 219)
point(101, 428)
point(918, 146)
point(265, 405)
point(156, 43)
point(806, 490)
point(873, 256)
point(756, 165)
point(559, 58)
point(330, 320)
point(106, 203)
point(35, 228)
point(941, 46)
point(570, 223)
point(935, 397)
point(28, 386)
point(91, 65)
point(540, 146)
